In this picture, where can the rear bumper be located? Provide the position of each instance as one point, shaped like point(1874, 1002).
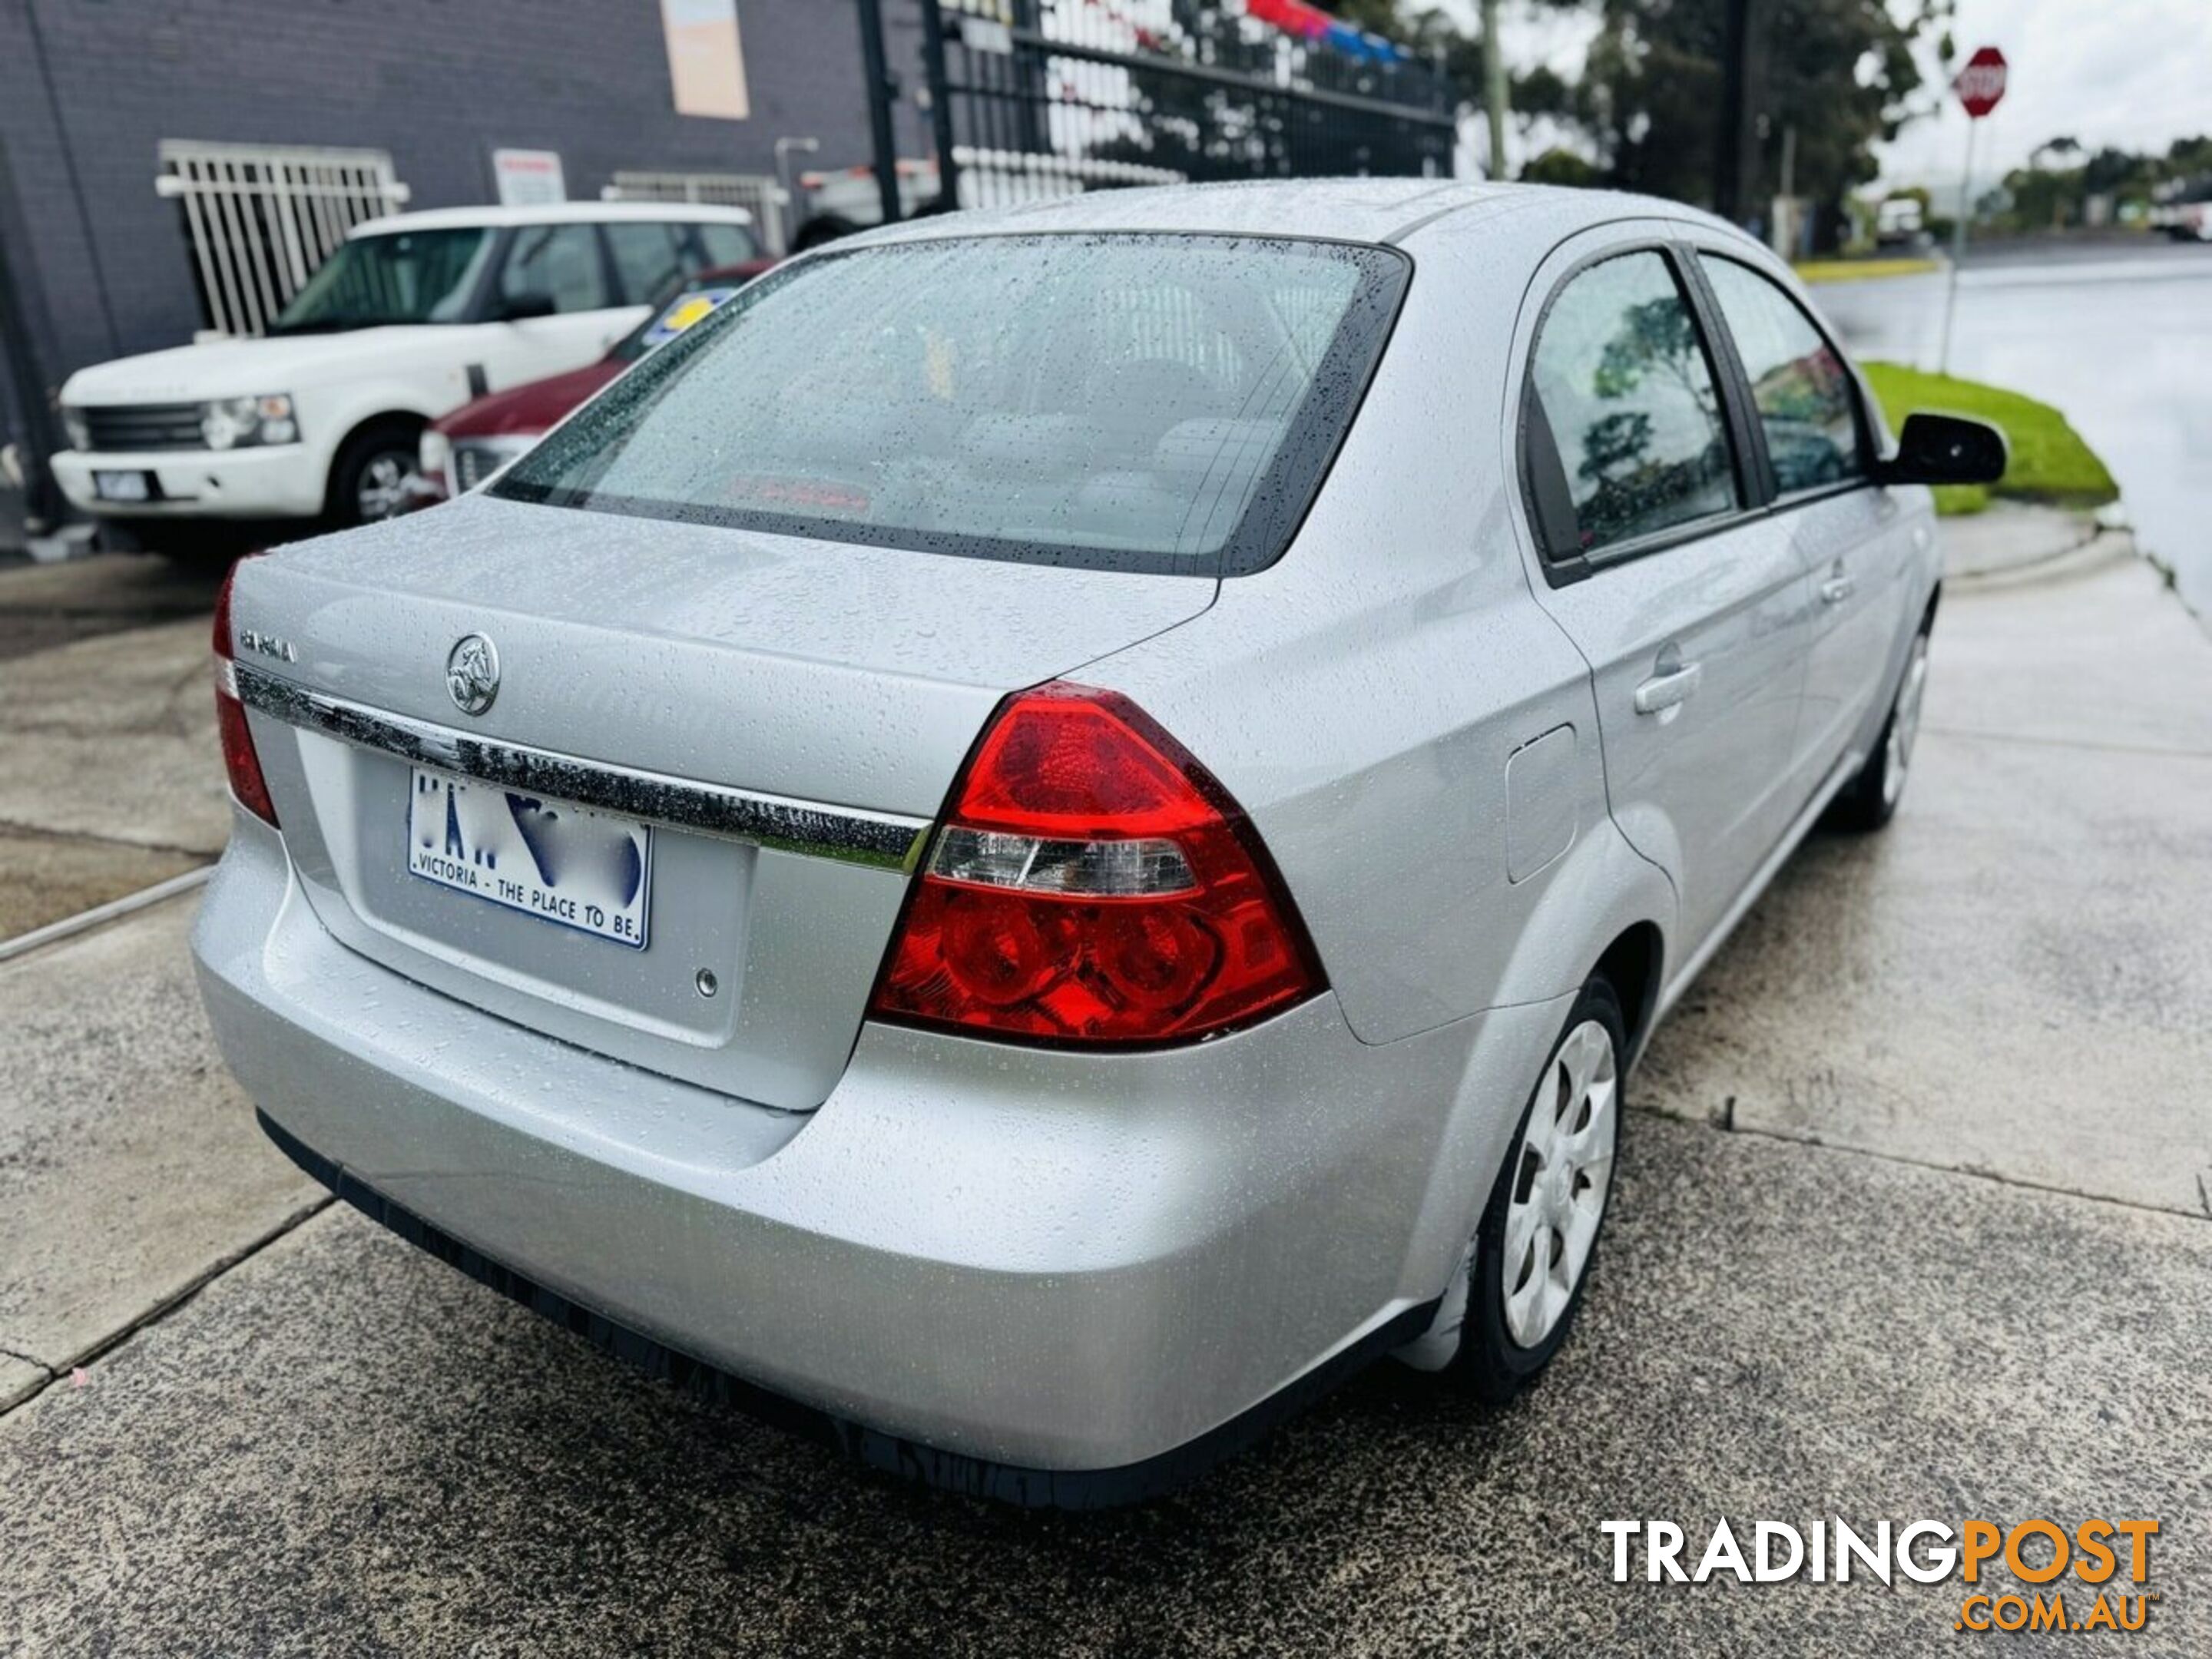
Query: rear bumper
point(1052, 1277)
point(1008, 1482)
point(282, 480)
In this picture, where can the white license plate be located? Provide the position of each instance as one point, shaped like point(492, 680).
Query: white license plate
point(574, 866)
point(123, 486)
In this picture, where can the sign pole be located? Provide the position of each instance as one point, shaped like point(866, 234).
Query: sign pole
point(1957, 248)
point(1981, 86)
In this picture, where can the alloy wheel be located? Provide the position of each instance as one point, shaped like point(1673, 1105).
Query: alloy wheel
point(377, 495)
point(1561, 1178)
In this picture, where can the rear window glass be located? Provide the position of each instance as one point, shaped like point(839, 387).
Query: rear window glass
point(1158, 403)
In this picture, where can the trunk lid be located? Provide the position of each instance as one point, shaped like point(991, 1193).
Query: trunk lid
point(692, 670)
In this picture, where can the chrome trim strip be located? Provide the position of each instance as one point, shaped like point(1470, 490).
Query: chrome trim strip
point(883, 840)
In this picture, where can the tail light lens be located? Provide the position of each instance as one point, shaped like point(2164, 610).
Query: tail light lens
point(238, 757)
point(1093, 883)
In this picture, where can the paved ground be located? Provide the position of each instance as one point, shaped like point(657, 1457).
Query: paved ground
point(49, 605)
point(1912, 1225)
point(343, 1447)
point(2116, 335)
point(2011, 979)
point(131, 1168)
point(107, 724)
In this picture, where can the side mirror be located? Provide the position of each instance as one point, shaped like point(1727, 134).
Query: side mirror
point(521, 307)
point(1946, 449)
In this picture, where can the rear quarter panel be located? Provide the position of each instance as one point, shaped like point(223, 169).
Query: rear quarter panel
point(1365, 697)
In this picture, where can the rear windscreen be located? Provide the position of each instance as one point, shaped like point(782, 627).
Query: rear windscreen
point(1142, 402)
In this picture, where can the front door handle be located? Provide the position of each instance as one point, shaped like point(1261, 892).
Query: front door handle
point(1837, 589)
point(1666, 690)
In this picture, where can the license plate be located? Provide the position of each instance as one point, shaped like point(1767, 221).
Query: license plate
point(123, 486)
point(574, 866)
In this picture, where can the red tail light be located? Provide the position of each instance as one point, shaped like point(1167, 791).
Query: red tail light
point(1092, 882)
point(238, 757)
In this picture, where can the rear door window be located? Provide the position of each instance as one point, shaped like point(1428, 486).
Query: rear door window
point(1807, 406)
point(649, 258)
point(555, 267)
point(1144, 401)
point(1628, 389)
point(723, 244)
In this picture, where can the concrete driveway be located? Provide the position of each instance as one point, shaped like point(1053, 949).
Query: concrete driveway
point(1912, 1223)
point(107, 728)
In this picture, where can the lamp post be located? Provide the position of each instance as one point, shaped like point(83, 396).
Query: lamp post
point(787, 209)
point(1493, 87)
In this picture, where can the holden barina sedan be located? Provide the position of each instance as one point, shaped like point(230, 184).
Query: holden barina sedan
point(1058, 826)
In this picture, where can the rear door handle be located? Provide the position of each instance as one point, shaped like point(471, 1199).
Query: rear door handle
point(1667, 689)
point(1837, 589)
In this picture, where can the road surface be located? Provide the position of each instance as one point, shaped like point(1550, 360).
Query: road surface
point(2118, 338)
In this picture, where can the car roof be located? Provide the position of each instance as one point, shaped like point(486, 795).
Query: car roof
point(1343, 210)
point(552, 212)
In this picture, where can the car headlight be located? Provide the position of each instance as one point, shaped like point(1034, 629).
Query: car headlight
point(435, 452)
point(80, 435)
point(230, 422)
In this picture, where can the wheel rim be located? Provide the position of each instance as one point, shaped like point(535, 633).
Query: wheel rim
point(1904, 722)
point(1561, 1176)
point(377, 495)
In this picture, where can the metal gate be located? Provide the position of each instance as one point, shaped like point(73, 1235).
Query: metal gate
point(1032, 98)
point(260, 220)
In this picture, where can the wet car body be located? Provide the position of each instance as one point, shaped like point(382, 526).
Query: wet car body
point(1014, 1260)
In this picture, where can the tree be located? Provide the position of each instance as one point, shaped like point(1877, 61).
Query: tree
point(1841, 72)
point(2190, 158)
point(1560, 167)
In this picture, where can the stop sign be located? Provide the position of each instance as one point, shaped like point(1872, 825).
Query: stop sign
point(1982, 82)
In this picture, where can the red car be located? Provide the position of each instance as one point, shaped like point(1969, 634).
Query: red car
point(464, 448)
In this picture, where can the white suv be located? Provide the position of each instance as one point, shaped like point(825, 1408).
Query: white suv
point(411, 318)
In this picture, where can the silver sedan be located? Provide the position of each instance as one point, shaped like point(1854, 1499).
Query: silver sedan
point(1060, 825)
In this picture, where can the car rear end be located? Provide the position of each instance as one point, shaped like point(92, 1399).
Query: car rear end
point(714, 876)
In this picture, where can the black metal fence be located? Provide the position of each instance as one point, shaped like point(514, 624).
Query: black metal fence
point(1039, 97)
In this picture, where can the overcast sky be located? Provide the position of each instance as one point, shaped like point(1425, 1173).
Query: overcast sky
point(2135, 74)
point(2132, 74)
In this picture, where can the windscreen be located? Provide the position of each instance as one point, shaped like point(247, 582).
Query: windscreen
point(411, 276)
point(1152, 402)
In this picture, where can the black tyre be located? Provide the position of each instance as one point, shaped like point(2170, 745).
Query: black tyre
point(1869, 801)
point(1540, 1230)
point(366, 477)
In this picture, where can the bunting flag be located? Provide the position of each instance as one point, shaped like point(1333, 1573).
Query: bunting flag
point(1311, 23)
